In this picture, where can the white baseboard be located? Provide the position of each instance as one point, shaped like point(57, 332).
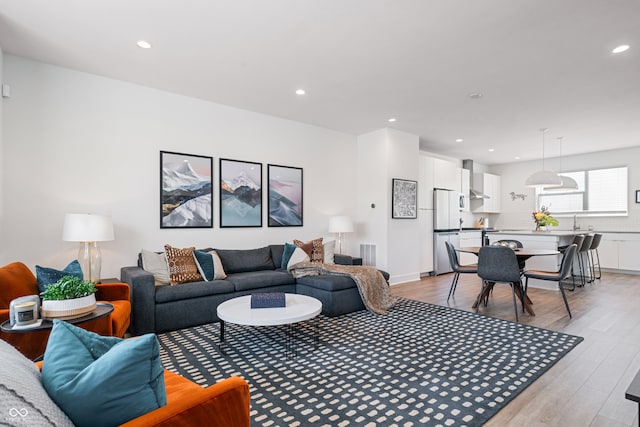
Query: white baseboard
point(396, 280)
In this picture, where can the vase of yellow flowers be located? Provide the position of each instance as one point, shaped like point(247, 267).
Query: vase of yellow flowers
point(543, 218)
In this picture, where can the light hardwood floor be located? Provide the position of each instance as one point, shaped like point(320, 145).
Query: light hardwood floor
point(586, 387)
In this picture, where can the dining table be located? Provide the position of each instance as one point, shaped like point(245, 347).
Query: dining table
point(522, 254)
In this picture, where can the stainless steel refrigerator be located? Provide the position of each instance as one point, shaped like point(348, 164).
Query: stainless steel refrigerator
point(446, 206)
point(446, 226)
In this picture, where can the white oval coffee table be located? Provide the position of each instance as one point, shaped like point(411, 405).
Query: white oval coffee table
point(299, 308)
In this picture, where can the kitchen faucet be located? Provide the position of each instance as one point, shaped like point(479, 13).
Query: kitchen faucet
point(461, 221)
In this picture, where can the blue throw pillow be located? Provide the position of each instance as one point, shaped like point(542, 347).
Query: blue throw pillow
point(204, 261)
point(289, 248)
point(102, 381)
point(47, 276)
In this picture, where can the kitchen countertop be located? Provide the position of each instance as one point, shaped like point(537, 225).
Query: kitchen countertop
point(558, 232)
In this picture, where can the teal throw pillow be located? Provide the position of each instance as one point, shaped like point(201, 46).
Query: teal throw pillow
point(289, 248)
point(47, 276)
point(102, 381)
point(204, 261)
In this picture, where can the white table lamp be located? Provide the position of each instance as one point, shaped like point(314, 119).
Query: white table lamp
point(89, 229)
point(340, 224)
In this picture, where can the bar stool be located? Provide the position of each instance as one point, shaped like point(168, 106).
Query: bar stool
point(585, 266)
point(594, 250)
point(577, 240)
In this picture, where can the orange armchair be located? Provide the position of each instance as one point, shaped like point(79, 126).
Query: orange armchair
point(16, 280)
point(224, 404)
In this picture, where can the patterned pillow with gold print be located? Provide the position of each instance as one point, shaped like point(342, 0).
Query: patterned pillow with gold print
point(314, 249)
point(182, 265)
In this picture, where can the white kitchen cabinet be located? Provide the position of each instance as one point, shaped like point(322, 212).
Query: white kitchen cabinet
point(619, 251)
point(608, 252)
point(469, 238)
point(425, 182)
point(465, 185)
point(445, 175)
point(628, 255)
point(490, 185)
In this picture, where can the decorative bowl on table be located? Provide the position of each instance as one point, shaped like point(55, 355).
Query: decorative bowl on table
point(68, 298)
point(68, 308)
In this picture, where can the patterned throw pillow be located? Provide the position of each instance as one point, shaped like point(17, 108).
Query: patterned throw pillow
point(313, 248)
point(182, 265)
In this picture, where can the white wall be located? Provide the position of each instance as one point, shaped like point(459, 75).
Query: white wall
point(75, 142)
point(517, 213)
point(383, 155)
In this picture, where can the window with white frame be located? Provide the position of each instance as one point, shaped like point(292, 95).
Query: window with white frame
point(601, 192)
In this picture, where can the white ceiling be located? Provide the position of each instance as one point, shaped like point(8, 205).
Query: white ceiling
point(538, 63)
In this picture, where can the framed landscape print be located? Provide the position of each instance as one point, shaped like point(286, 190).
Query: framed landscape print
point(186, 198)
point(404, 195)
point(285, 196)
point(240, 193)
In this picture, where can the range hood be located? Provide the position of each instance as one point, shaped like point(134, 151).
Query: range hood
point(473, 192)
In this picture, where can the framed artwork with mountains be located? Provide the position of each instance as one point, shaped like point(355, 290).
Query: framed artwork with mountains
point(240, 193)
point(285, 196)
point(186, 197)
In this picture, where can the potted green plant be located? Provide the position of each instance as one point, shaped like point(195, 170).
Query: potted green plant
point(69, 297)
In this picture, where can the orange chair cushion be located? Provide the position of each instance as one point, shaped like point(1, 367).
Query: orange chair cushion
point(16, 280)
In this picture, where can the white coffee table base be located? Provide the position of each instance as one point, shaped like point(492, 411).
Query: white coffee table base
point(299, 308)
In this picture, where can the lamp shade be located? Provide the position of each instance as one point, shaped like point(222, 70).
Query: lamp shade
point(340, 224)
point(568, 183)
point(87, 228)
point(544, 178)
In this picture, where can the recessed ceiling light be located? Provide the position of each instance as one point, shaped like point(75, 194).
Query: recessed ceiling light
point(392, 119)
point(621, 48)
point(491, 150)
point(459, 140)
point(144, 44)
point(300, 92)
point(475, 95)
point(517, 157)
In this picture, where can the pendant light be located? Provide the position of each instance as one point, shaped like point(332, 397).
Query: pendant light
point(543, 178)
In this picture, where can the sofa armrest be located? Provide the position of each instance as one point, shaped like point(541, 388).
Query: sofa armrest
point(143, 299)
point(224, 404)
point(112, 292)
point(346, 260)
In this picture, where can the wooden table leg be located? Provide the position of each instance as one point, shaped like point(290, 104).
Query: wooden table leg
point(485, 293)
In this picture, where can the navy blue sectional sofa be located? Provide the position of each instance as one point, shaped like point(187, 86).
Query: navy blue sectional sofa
point(167, 308)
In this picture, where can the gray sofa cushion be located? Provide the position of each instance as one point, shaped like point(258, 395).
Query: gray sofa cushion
point(242, 260)
point(260, 279)
point(276, 255)
point(328, 282)
point(192, 290)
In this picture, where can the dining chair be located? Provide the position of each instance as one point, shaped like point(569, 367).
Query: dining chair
point(457, 268)
point(555, 276)
point(499, 264)
point(518, 244)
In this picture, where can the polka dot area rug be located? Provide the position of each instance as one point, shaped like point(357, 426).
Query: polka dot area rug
point(419, 365)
